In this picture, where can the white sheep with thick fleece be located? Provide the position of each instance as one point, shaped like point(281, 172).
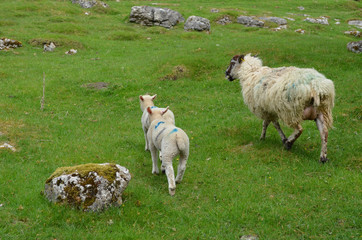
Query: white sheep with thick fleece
point(147, 101)
point(172, 141)
point(288, 93)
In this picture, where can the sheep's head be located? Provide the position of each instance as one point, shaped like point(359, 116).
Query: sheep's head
point(235, 62)
point(156, 113)
point(146, 100)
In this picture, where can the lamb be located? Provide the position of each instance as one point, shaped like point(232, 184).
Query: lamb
point(164, 136)
point(145, 102)
point(290, 94)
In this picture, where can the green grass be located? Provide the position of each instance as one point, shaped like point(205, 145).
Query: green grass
point(235, 184)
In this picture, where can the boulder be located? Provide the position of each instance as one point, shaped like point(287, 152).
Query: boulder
point(89, 3)
point(355, 47)
point(153, 16)
point(250, 21)
point(90, 187)
point(277, 20)
point(197, 23)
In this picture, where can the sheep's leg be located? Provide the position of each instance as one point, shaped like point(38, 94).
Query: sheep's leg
point(146, 140)
point(154, 156)
point(280, 131)
point(170, 175)
point(292, 138)
point(163, 168)
point(265, 126)
point(181, 166)
point(324, 137)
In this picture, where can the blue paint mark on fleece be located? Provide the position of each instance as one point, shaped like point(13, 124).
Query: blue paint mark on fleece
point(158, 124)
point(173, 131)
point(153, 107)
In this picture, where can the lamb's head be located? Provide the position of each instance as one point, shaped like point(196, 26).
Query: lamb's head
point(231, 71)
point(156, 113)
point(146, 101)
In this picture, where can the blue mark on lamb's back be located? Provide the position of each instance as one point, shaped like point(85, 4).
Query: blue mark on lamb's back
point(158, 124)
point(173, 131)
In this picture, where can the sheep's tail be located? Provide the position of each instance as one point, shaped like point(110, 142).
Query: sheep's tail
point(324, 102)
point(182, 142)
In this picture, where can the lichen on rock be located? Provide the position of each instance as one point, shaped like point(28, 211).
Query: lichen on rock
point(90, 187)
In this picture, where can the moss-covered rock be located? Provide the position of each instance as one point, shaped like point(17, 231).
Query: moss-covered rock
point(90, 187)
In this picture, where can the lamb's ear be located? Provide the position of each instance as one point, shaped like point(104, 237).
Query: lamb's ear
point(241, 58)
point(154, 96)
point(164, 111)
point(141, 98)
point(149, 110)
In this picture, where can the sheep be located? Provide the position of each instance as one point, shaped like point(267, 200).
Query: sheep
point(164, 136)
point(147, 101)
point(290, 94)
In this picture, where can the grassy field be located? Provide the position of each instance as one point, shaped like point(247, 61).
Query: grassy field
point(234, 185)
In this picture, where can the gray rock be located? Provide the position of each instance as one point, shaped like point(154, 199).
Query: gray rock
point(197, 23)
point(90, 187)
point(355, 47)
point(7, 43)
point(214, 10)
point(320, 20)
point(356, 23)
point(89, 3)
point(224, 20)
point(153, 16)
point(277, 20)
point(249, 237)
point(250, 21)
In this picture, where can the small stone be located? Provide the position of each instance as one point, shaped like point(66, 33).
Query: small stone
point(8, 146)
point(320, 20)
point(355, 47)
point(301, 8)
point(356, 23)
point(301, 31)
point(89, 4)
point(71, 52)
point(224, 20)
point(49, 47)
point(353, 33)
point(7, 43)
point(214, 10)
point(249, 237)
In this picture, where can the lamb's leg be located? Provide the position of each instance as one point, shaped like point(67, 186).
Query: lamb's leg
point(265, 126)
point(167, 161)
point(324, 137)
point(154, 156)
point(181, 166)
point(163, 168)
point(280, 131)
point(295, 135)
point(146, 140)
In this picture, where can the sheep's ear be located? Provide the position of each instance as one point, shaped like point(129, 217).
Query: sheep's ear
point(154, 96)
point(241, 58)
point(141, 98)
point(164, 111)
point(149, 110)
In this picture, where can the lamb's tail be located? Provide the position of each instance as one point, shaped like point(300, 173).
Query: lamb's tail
point(324, 101)
point(182, 142)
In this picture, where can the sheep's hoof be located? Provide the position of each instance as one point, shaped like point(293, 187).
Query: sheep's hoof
point(155, 172)
point(288, 145)
point(323, 159)
point(172, 191)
